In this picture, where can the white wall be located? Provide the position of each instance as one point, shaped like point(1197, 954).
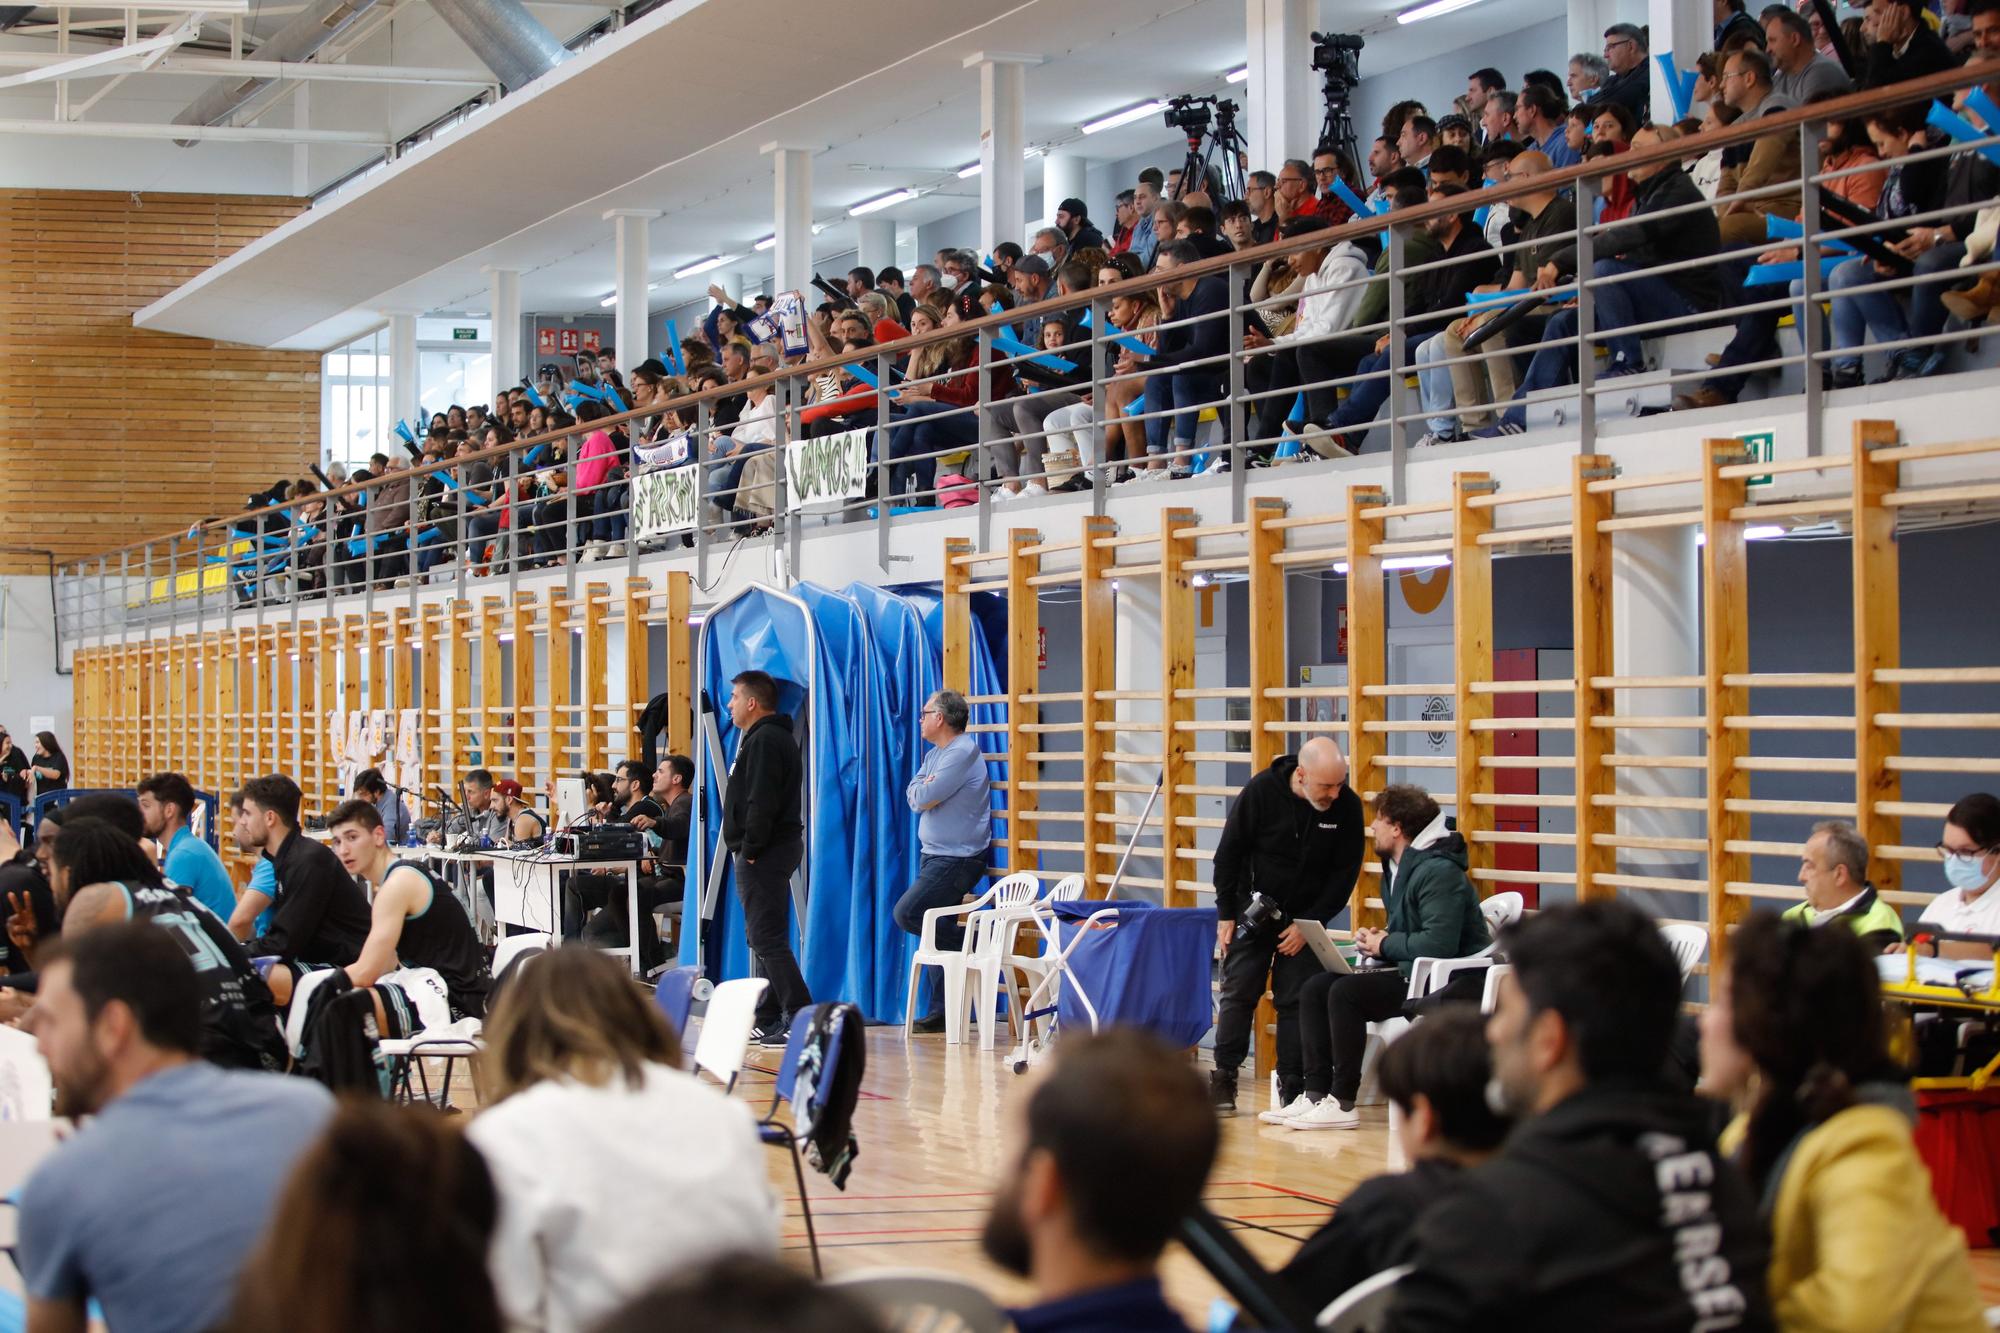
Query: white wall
point(29, 685)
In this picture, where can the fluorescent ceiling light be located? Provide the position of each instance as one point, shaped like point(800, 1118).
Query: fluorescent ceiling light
point(967, 173)
point(1125, 117)
point(703, 265)
point(819, 227)
point(765, 244)
point(608, 301)
point(1755, 532)
point(1404, 562)
point(1433, 9)
point(1237, 75)
point(881, 202)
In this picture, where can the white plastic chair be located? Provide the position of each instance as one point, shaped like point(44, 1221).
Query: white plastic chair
point(989, 944)
point(1489, 999)
point(511, 948)
point(1689, 943)
point(955, 965)
point(912, 1300)
point(1427, 977)
point(1032, 967)
point(726, 1028)
point(1363, 1307)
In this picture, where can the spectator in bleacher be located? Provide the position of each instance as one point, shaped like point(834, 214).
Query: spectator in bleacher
point(926, 284)
point(1861, 315)
point(1334, 280)
point(1198, 227)
point(1644, 241)
point(1383, 162)
point(1631, 81)
point(1029, 280)
point(1189, 370)
point(587, 1071)
point(1456, 131)
point(1547, 218)
point(921, 429)
point(1971, 181)
point(1330, 165)
point(1480, 85)
point(1606, 1208)
point(1774, 159)
point(1463, 261)
point(1260, 197)
point(859, 280)
point(1236, 225)
point(387, 519)
point(1124, 217)
point(1539, 115)
point(1547, 78)
point(1453, 166)
point(1588, 73)
point(1073, 219)
point(1436, 1075)
point(1731, 20)
point(1833, 871)
point(1798, 70)
point(1497, 121)
point(1083, 1205)
point(1576, 128)
point(1706, 171)
point(902, 303)
point(166, 803)
point(383, 1227)
point(1167, 220)
point(1901, 45)
point(1794, 1037)
point(1417, 140)
point(1145, 199)
point(1295, 197)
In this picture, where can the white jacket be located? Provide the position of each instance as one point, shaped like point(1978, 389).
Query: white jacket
point(1329, 306)
point(604, 1191)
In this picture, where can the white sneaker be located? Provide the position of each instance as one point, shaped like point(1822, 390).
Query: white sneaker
point(1031, 490)
point(615, 551)
point(1001, 495)
point(1432, 437)
point(1326, 1114)
point(1298, 1106)
point(1324, 442)
point(594, 551)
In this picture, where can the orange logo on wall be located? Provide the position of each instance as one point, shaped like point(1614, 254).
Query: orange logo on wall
point(1424, 589)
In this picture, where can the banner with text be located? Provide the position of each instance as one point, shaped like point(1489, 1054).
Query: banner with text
point(663, 501)
point(826, 470)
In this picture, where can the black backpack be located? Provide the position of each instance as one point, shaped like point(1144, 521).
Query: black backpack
point(341, 1046)
point(824, 1097)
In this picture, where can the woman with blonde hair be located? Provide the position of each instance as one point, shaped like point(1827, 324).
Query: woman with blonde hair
point(615, 1168)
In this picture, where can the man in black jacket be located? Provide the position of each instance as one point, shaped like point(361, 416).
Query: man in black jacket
point(1902, 45)
point(762, 828)
point(1073, 217)
point(1609, 1206)
point(1191, 363)
point(322, 916)
point(1294, 836)
point(1631, 83)
point(1645, 240)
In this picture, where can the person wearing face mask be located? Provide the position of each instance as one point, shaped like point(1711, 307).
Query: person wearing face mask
point(1971, 850)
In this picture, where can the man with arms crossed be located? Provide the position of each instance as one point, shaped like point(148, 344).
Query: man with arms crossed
point(954, 805)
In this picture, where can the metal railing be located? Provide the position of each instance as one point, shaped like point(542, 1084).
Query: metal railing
point(504, 512)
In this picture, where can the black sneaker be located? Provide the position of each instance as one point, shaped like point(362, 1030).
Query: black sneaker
point(934, 1023)
point(772, 1036)
point(1222, 1092)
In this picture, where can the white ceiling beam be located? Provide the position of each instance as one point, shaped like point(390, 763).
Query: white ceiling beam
point(92, 65)
point(286, 70)
point(188, 30)
point(224, 133)
point(155, 6)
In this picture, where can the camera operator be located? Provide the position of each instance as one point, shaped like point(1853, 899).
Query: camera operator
point(1290, 850)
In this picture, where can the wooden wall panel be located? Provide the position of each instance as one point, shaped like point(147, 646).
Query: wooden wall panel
point(137, 432)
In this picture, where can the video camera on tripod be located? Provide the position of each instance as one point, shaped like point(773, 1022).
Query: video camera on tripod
point(1337, 56)
point(1193, 116)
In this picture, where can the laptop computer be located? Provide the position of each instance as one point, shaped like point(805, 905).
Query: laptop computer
point(1323, 946)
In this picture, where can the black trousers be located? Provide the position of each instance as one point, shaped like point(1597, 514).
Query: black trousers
point(1252, 956)
point(765, 890)
point(1335, 1009)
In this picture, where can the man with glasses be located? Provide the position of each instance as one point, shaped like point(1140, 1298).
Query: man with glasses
point(1631, 83)
point(1124, 217)
point(1774, 159)
point(1260, 195)
point(952, 798)
point(1295, 192)
point(1326, 170)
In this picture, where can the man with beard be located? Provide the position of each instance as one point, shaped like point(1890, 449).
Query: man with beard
point(1107, 1153)
point(152, 1208)
point(1609, 1206)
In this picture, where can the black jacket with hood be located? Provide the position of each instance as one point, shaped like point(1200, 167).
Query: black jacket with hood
point(1274, 842)
point(760, 805)
point(1433, 908)
point(1612, 1210)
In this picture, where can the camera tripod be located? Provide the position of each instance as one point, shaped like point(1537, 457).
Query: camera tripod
point(1202, 151)
point(1337, 130)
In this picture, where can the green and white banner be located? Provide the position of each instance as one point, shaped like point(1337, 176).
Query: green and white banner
point(663, 501)
point(826, 470)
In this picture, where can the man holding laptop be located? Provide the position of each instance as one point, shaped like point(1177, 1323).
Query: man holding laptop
point(1290, 853)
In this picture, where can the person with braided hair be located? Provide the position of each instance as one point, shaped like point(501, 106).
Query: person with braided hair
point(1793, 1036)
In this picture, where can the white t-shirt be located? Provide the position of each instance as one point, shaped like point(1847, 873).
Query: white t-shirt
point(1951, 911)
point(604, 1191)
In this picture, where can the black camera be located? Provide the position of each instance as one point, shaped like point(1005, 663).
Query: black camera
point(1261, 913)
point(1189, 114)
point(1338, 53)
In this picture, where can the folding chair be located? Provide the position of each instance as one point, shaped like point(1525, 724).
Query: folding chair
point(674, 993)
point(408, 1055)
point(784, 1136)
point(726, 1028)
point(1364, 1307)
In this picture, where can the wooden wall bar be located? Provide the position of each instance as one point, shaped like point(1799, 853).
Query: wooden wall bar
point(228, 705)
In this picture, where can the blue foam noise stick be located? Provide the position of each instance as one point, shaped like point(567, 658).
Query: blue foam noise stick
point(1944, 118)
point(868, 378)
point(1130, 342)
point(1772, 274)
point(1345, 193)
point(403, 429)
point(1979, 104)
point(1015, 347)
point(1786, 229)
point(1680, 83)
point(1135, 407)
point(1298, 412)
point(674, 357)
point(534, 394)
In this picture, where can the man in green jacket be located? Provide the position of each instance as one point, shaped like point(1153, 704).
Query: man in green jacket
point(1833, 870)
point(1433, 913)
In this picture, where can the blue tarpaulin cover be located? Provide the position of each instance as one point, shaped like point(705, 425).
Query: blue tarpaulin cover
point(1148, 968)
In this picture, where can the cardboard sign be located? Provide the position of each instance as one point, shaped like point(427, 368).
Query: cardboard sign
point(663, 501)
point(826, 470)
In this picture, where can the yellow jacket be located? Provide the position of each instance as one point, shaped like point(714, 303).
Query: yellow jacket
point(1857, 1241)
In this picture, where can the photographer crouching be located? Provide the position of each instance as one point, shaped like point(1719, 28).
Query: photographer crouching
point(1291, 850)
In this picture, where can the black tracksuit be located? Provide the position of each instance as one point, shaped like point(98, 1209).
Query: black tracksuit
point(1305, 861)
point(1373, 1229)
point(1610, 1211)
point(321, 915)
point(761, 825)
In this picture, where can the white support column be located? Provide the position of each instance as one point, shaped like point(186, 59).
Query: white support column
point(403, 365)
point(302, 152)
point(1682, 30)
point(875, 249)
point(634, 263)
point(1281, 114)
point(503, 290)
point(791, 193)
point(1063, 175)
point(1656, 631)
point(1003, 138)
point(1137, 668)
point(1584, 30)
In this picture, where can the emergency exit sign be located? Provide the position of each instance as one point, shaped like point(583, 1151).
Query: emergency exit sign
point(465, 335)
point(1762, 446)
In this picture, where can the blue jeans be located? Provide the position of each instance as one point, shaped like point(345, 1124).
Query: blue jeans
point(1618, 306)
point(1927, 312)
point(923, 429)
point(1859, 316)
point(942, 881)
point(608, 509)
point(722, 481)
point(1365, 397)
point(1185, 393)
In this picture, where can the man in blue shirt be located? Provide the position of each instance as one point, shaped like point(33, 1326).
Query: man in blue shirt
point(154, 1206)
point(371, 786)
point(166, 800)
point(1107, 1154)
point(952, 798)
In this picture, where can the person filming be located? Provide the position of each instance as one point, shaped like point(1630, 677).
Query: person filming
point(1290, 851)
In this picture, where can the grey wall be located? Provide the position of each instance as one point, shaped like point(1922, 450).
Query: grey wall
point(30, 688)
point(1435, 82)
